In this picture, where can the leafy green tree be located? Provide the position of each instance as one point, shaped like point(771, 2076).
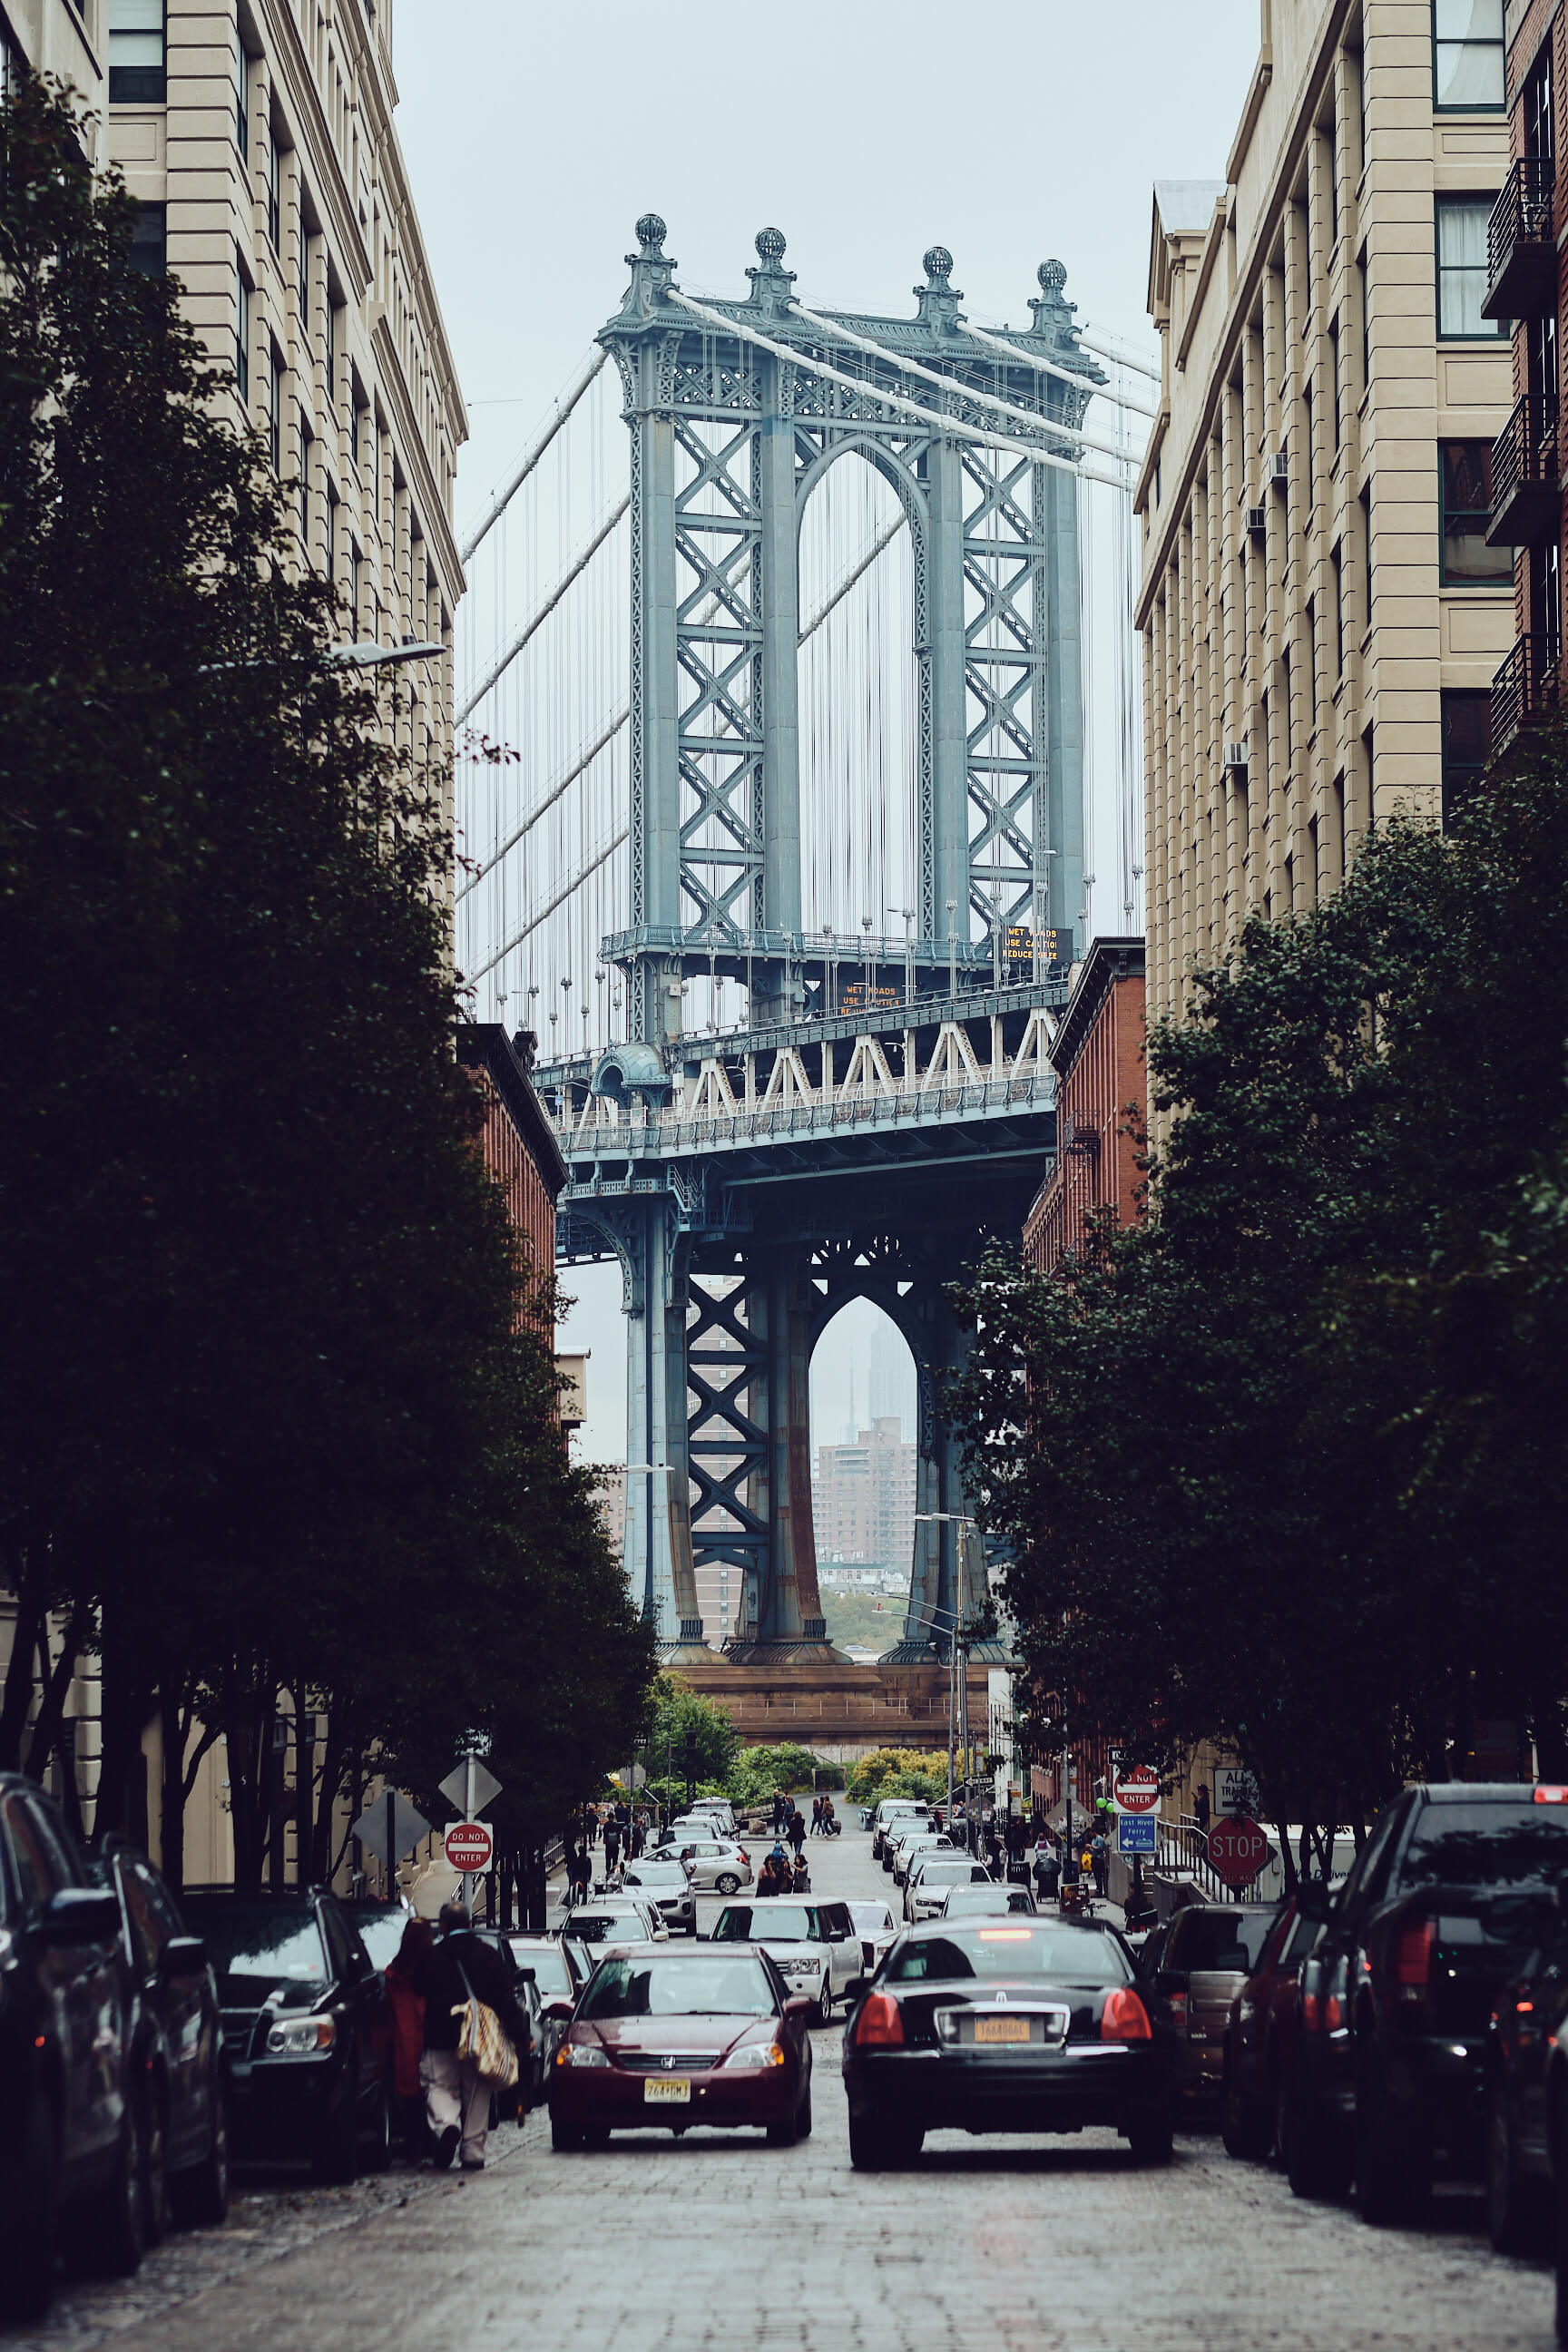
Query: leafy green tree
point(761, 1773)
point(899, 1772)
point(676, 1712)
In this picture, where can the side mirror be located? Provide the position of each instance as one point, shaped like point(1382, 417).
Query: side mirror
point(184, 1955)
point(83, 1914)
point(559, 2012)
point(797, 2006)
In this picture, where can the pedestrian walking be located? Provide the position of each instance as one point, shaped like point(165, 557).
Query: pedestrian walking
point(1047, 1870)
point(612, 1844)
point(408, 2005)
point(1099, 1858)
point(579, 1873)
point(780, 1812)
point(816, 1817)
point(459, 1969)
point(796, 1830)
point(800, 1877)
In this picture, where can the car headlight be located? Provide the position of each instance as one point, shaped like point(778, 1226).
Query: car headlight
point(300, 2037)
point(756, 2053)
point(581, 2053)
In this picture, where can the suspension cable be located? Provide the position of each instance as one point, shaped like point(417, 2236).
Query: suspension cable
point(565, 891)
point(884, 537)
point(537, 620)
point(950, 383)
point(931, 418)
point(1094, 342)
point(563, 408)
point(579, 767)
point(1049, 367)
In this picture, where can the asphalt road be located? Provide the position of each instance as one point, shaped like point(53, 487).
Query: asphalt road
point(992, 2245)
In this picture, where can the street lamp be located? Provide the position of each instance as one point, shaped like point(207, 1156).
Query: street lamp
point(371, 656)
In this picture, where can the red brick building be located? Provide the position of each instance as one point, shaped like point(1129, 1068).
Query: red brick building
point(1097, 1056)
point(1527, 276)
point(519, 1142)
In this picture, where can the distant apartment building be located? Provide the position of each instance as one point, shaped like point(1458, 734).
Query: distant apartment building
point(518, 1141)
point(1323, 610)
point(863, 1500)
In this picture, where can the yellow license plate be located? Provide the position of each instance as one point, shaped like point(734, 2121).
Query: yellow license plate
point(1001, 2028)
point(667, 2091)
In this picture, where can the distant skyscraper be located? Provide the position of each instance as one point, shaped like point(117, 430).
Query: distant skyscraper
point(863, 1498)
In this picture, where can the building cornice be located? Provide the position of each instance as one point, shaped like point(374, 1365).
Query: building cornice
point(1107, 962)
point(485, 1045)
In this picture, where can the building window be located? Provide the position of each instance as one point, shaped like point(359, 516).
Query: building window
point(1546, 603)
point(1467, 56)
point(150, 239)
point(242, 339)
point(274, 193)
point(305, 487)
point(136, 66)
point(241, 98)
point(1336, 561)
point(331, 550)
point(1539, 111)
point(1466, 745)
point(333, 313)
point(1468, 561)
point(275, 416)
point(1462, 267)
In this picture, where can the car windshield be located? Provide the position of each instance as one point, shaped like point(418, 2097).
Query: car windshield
point(871, 1918)
point(942, 1873)
point(1501, 1844)
point(381, 1928)
point(1085, 1956)
point(256, 1948)
point(547, 1965)
point(608, 1928)
point(781, 1923)
point(656, 1874)
point(986, 1898)
point(1218, 1940)
point(695, 1986)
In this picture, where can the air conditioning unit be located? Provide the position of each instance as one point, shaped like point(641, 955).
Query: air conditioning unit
point(1258, 522)
point(1276, 468)
point(1234, 761)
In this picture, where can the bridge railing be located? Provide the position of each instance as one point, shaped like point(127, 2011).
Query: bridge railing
point(679, 1126)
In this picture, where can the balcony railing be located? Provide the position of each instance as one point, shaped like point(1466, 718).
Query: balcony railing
point(1525, 690)
point(1526, 502)
point(1521, 254)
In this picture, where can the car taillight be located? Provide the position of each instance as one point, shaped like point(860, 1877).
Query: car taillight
point(1124, 2016)
point(1310, 2018)
point(1552, 1793)
point(1413, 1960)
point(1177, 2003)
point(880, 2025)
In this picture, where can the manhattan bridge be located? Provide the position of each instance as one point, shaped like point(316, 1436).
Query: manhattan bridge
point(782, 708)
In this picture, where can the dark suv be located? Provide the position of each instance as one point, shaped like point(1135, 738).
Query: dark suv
point(70, 2128)
point(306, 2025)
point(1389, 2051)
point(176, 2042)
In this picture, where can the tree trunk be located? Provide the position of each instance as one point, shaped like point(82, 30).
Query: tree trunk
point(55, 1681)
point(30, 1585)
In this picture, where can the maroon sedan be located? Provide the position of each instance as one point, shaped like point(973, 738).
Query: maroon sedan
point(1257, 2061)
point(665, 2040)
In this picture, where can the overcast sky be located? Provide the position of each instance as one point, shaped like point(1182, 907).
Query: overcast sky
point(535, 137)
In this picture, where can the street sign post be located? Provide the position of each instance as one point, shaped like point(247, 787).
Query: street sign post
point(472, 1785)
point(470, 1846)
point(1136, 1789)
point(1239, 1849)
point(1136, 1833)
point(1233, 1791)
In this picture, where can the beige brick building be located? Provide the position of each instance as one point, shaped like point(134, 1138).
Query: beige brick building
point(259, 139)
point(55, 36)
point(1320, 612)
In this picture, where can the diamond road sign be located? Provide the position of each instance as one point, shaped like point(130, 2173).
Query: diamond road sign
point(409, 1827)
point(487, 1787)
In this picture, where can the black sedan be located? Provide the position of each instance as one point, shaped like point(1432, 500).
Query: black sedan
point(306, 2028)
point(176, 2041)
point(1023, 2025)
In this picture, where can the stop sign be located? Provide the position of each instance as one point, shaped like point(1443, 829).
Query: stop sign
point(1137, 1790)
point(469, 1846)
point(1239, 1849)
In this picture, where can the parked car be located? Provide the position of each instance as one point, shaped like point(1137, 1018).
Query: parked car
point(878, 1929)
point(682, 2038)
point(307, 2029)
point(718, 1812)
point(559, 1975)
point(716, 1863)
point(609, 1923)
point(70, 2119)
point(905, 1842)
point(176, 2048)
point(1527, 2091)
point(903, 1811)
point(814, 1945)
point(1393, 2033)
point(381, 1928)
point(987, 1899)
point(1255, 2064)
point(1007, 2025)
point(931, 1873)
point(668, 1883)
point(1203, 1957)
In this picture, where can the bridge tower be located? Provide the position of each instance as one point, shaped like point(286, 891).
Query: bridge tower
point(853, 1140)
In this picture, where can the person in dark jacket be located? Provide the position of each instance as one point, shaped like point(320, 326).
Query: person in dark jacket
point(456, 2098)
point(402, 1980)
point(796, 1830)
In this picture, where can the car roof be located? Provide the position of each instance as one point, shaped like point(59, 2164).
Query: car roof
point(1470, 1792)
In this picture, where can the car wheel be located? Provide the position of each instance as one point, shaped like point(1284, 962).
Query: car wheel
point(110, 2236)
point(1519, 2209)
point(1392, 2178)
point(563, 2137)
point(29, 2217)
point(785, 2134)
point(337, 2158)
point(155, 2168)
point(825, 2006)
point(1316, 2163)
point(727, 1882)
point(803, 2121)
point(1152, 2139)
point(378, 2156)
point(200, 2197)
point(867, 2144)
point(1247, 2129)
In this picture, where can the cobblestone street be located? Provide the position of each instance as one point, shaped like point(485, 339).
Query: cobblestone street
point(997, 2243)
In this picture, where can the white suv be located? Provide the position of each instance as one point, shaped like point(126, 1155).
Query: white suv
point(931, 1875)
point(814, 1945)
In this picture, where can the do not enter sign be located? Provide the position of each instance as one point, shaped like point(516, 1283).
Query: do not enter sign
point(1137, 1790)
point(1239, 1849)
point(470, 1846)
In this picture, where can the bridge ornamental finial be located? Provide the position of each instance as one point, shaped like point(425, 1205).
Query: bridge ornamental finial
point(938, 264)
point(1053, 276)
point(651, 236)
point(770, 244)
point(770, 293)
point(938, 298)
